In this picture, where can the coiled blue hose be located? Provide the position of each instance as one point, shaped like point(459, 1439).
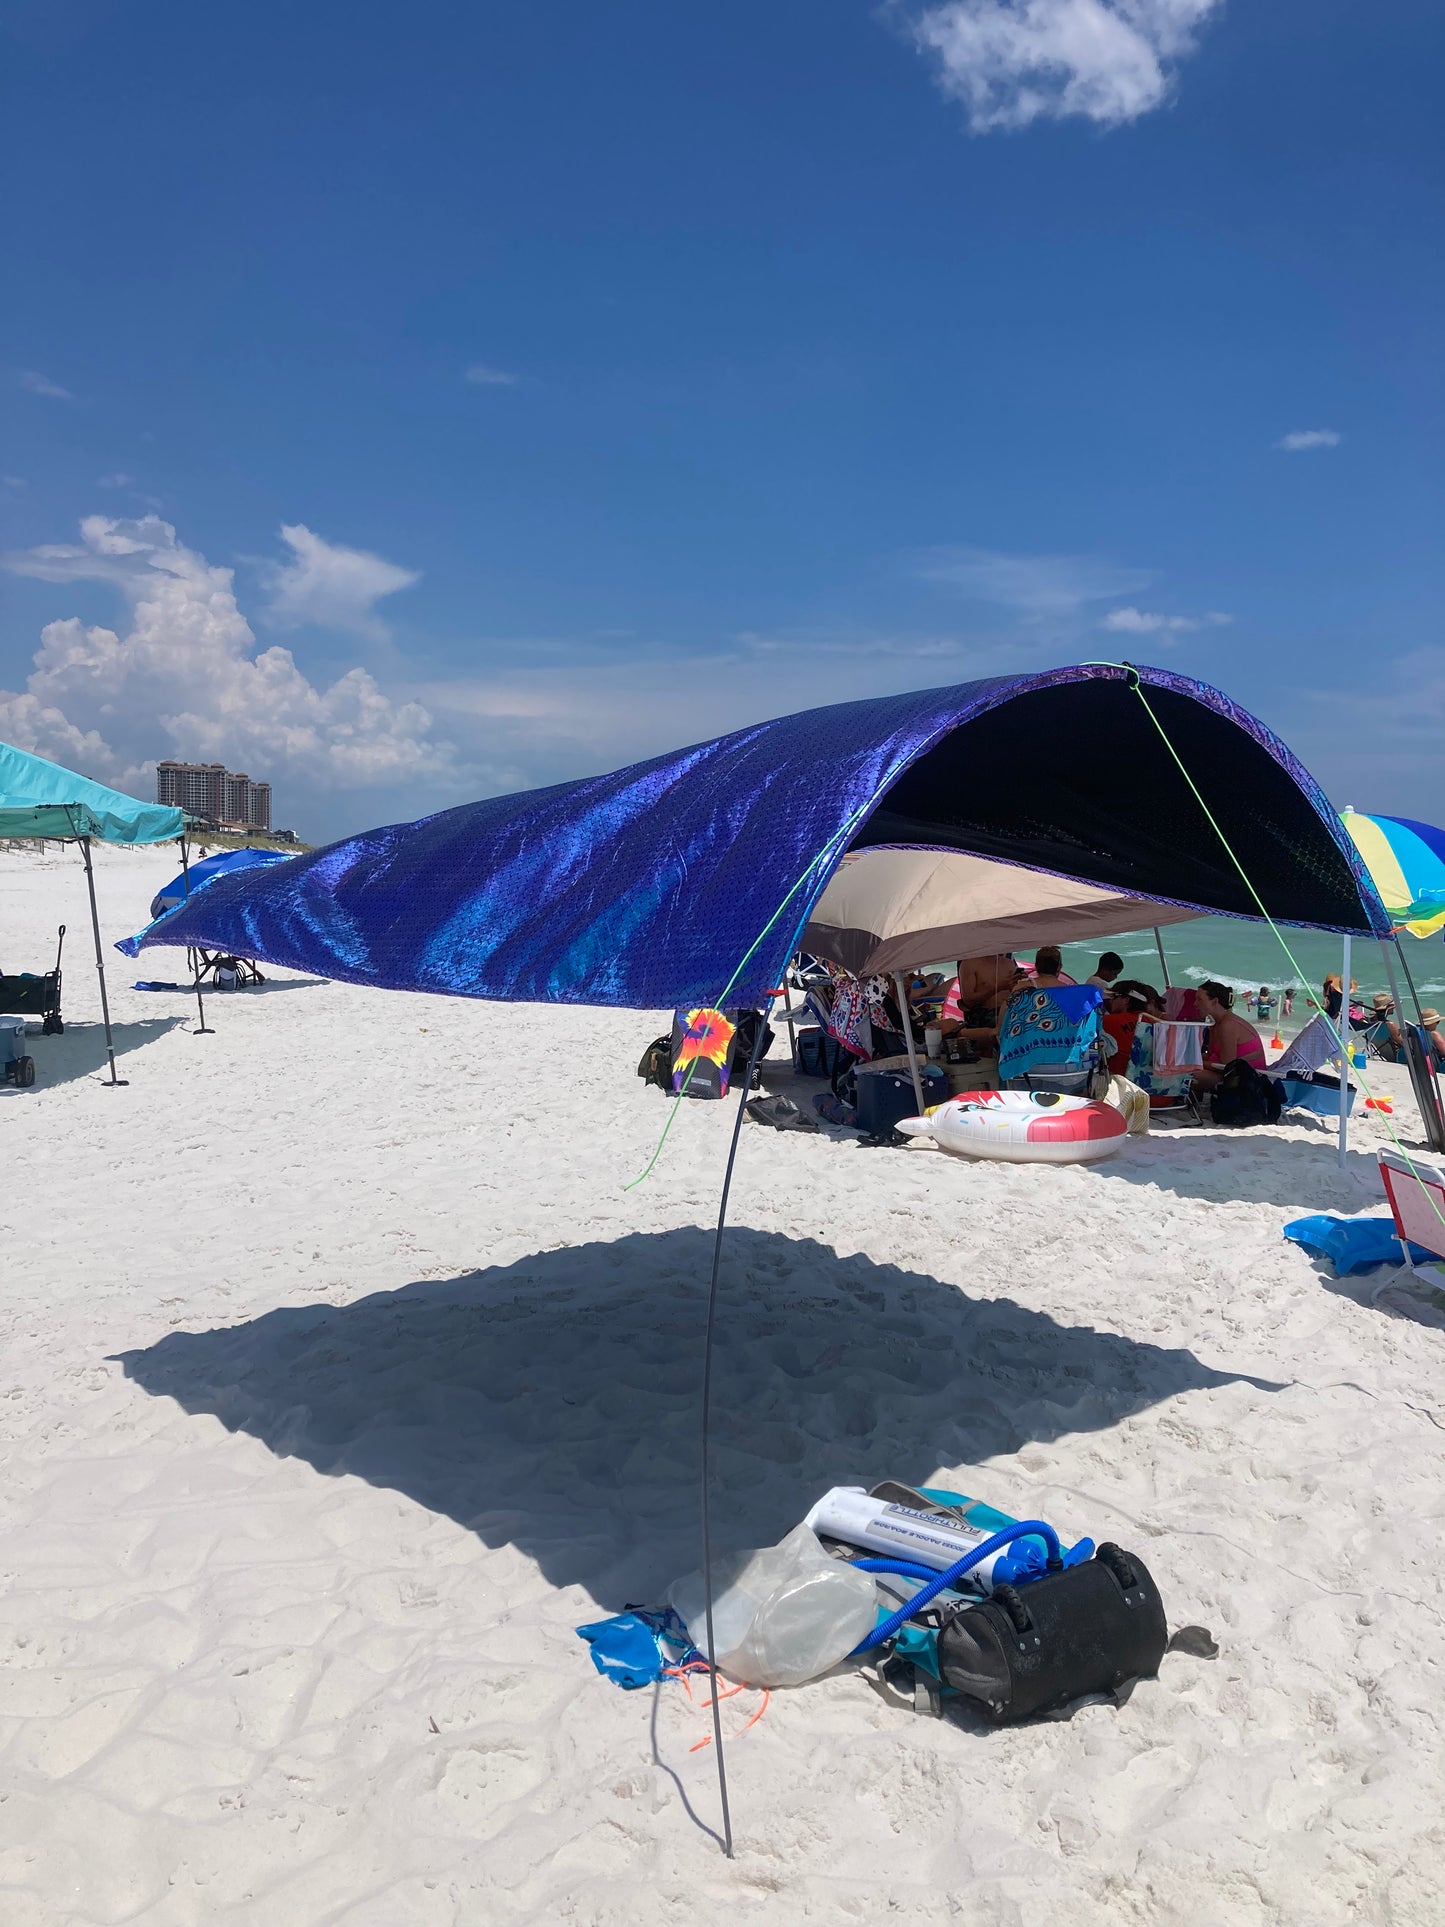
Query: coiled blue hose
point(938, 1581)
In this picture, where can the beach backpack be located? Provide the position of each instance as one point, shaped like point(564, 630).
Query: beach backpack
point(1243, 1097)
point(656, 1065)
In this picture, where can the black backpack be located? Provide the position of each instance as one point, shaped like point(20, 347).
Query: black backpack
point(656, 1065)
point(1243, 1097)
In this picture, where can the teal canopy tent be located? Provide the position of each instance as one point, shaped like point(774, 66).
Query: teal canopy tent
point(39, 799)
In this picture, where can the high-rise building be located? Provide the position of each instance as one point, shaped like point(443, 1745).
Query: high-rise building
point(228, 799)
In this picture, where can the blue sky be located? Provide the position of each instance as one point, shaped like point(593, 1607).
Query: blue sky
point(406, 404)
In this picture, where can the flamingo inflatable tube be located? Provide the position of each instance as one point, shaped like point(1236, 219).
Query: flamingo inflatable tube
point(1022, 1127)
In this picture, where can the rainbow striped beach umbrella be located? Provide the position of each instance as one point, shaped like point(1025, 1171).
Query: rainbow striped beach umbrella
point(1406, 862)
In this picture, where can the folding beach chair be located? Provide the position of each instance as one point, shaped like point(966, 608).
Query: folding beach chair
point(1052, 1040)
point(1379, 1045)
point(1157, 1065)
point(1417, 1204)
point(210, 964)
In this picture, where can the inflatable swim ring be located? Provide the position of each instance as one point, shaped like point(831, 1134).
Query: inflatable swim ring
point(1023, 1127)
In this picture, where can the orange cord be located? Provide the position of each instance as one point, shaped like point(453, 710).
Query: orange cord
point(700, 1666)
point(706, 1739)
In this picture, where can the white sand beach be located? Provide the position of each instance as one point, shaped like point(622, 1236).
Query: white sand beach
point(342, 1378)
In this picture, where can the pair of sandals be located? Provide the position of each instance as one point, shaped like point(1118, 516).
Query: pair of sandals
point(781, 1113)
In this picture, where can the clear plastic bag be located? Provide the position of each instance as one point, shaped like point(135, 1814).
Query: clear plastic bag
point(780, 1615)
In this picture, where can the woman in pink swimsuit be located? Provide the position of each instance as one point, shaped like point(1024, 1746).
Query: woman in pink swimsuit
point(1229, 1036)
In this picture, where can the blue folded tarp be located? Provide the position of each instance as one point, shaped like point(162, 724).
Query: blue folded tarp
point(1352, 1244)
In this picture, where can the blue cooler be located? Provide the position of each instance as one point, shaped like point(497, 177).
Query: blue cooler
point(1320, 1094)
point(886, 1095)
point(16, 1066)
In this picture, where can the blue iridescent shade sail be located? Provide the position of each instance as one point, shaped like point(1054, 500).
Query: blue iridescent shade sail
point(651, 887)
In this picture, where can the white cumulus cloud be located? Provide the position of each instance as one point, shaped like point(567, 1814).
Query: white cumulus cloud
point(482, 376)
point(186, 679)
point(332, 586)
point(117, 480)
point(1145, 622)
point(1012, 62)
point(1299, 439)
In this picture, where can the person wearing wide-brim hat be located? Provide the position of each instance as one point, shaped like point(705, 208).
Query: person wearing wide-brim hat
point(1382, 1032)
point(1430, 1018)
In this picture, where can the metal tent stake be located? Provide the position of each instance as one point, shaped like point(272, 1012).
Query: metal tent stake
point(100, 963)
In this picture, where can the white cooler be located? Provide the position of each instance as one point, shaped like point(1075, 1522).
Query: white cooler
point(12, 1040)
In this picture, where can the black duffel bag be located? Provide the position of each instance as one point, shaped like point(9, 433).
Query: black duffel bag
point(1243, 1097)
point(1094, 1628)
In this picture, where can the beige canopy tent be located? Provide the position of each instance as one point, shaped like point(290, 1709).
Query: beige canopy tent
point(887, 910)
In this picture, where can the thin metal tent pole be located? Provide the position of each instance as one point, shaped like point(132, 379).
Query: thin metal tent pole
point(204, 1029)
point(908, 1039)
point(1344, 1049)
point(722, 1212)
point(1394, 984)
point(1163, 960)
point(100, 962)
point(1400, 953)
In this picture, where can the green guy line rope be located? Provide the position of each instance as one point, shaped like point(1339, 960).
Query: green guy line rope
point(1135, 683)
point(752, 950)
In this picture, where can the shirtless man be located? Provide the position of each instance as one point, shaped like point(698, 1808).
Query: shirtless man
point(981, 986)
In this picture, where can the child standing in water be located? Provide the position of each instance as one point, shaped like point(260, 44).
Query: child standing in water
point(1264, 1003)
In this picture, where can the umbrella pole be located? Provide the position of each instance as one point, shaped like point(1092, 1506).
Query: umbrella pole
point(1344, 1050)
point(1163, 960)
point(100, 964)
point(1415, 995)
point(722, 1212)
point(204, 1029)
point(908, 1039)
point(1394, 985)
point(788, 1007)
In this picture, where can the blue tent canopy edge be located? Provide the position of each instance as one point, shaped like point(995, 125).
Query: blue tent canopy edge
point(654, 885)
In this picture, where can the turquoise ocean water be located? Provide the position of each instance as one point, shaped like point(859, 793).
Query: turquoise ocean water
point(1247, 955)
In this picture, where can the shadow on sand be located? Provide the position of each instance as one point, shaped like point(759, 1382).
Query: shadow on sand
point(1249, 1167)
point(1390, 1290)
point(552, 1404)
point(266, 989)
point(1245, 1166)
point(80, 1050)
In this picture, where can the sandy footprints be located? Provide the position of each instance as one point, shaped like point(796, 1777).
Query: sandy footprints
point(480, 1780)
